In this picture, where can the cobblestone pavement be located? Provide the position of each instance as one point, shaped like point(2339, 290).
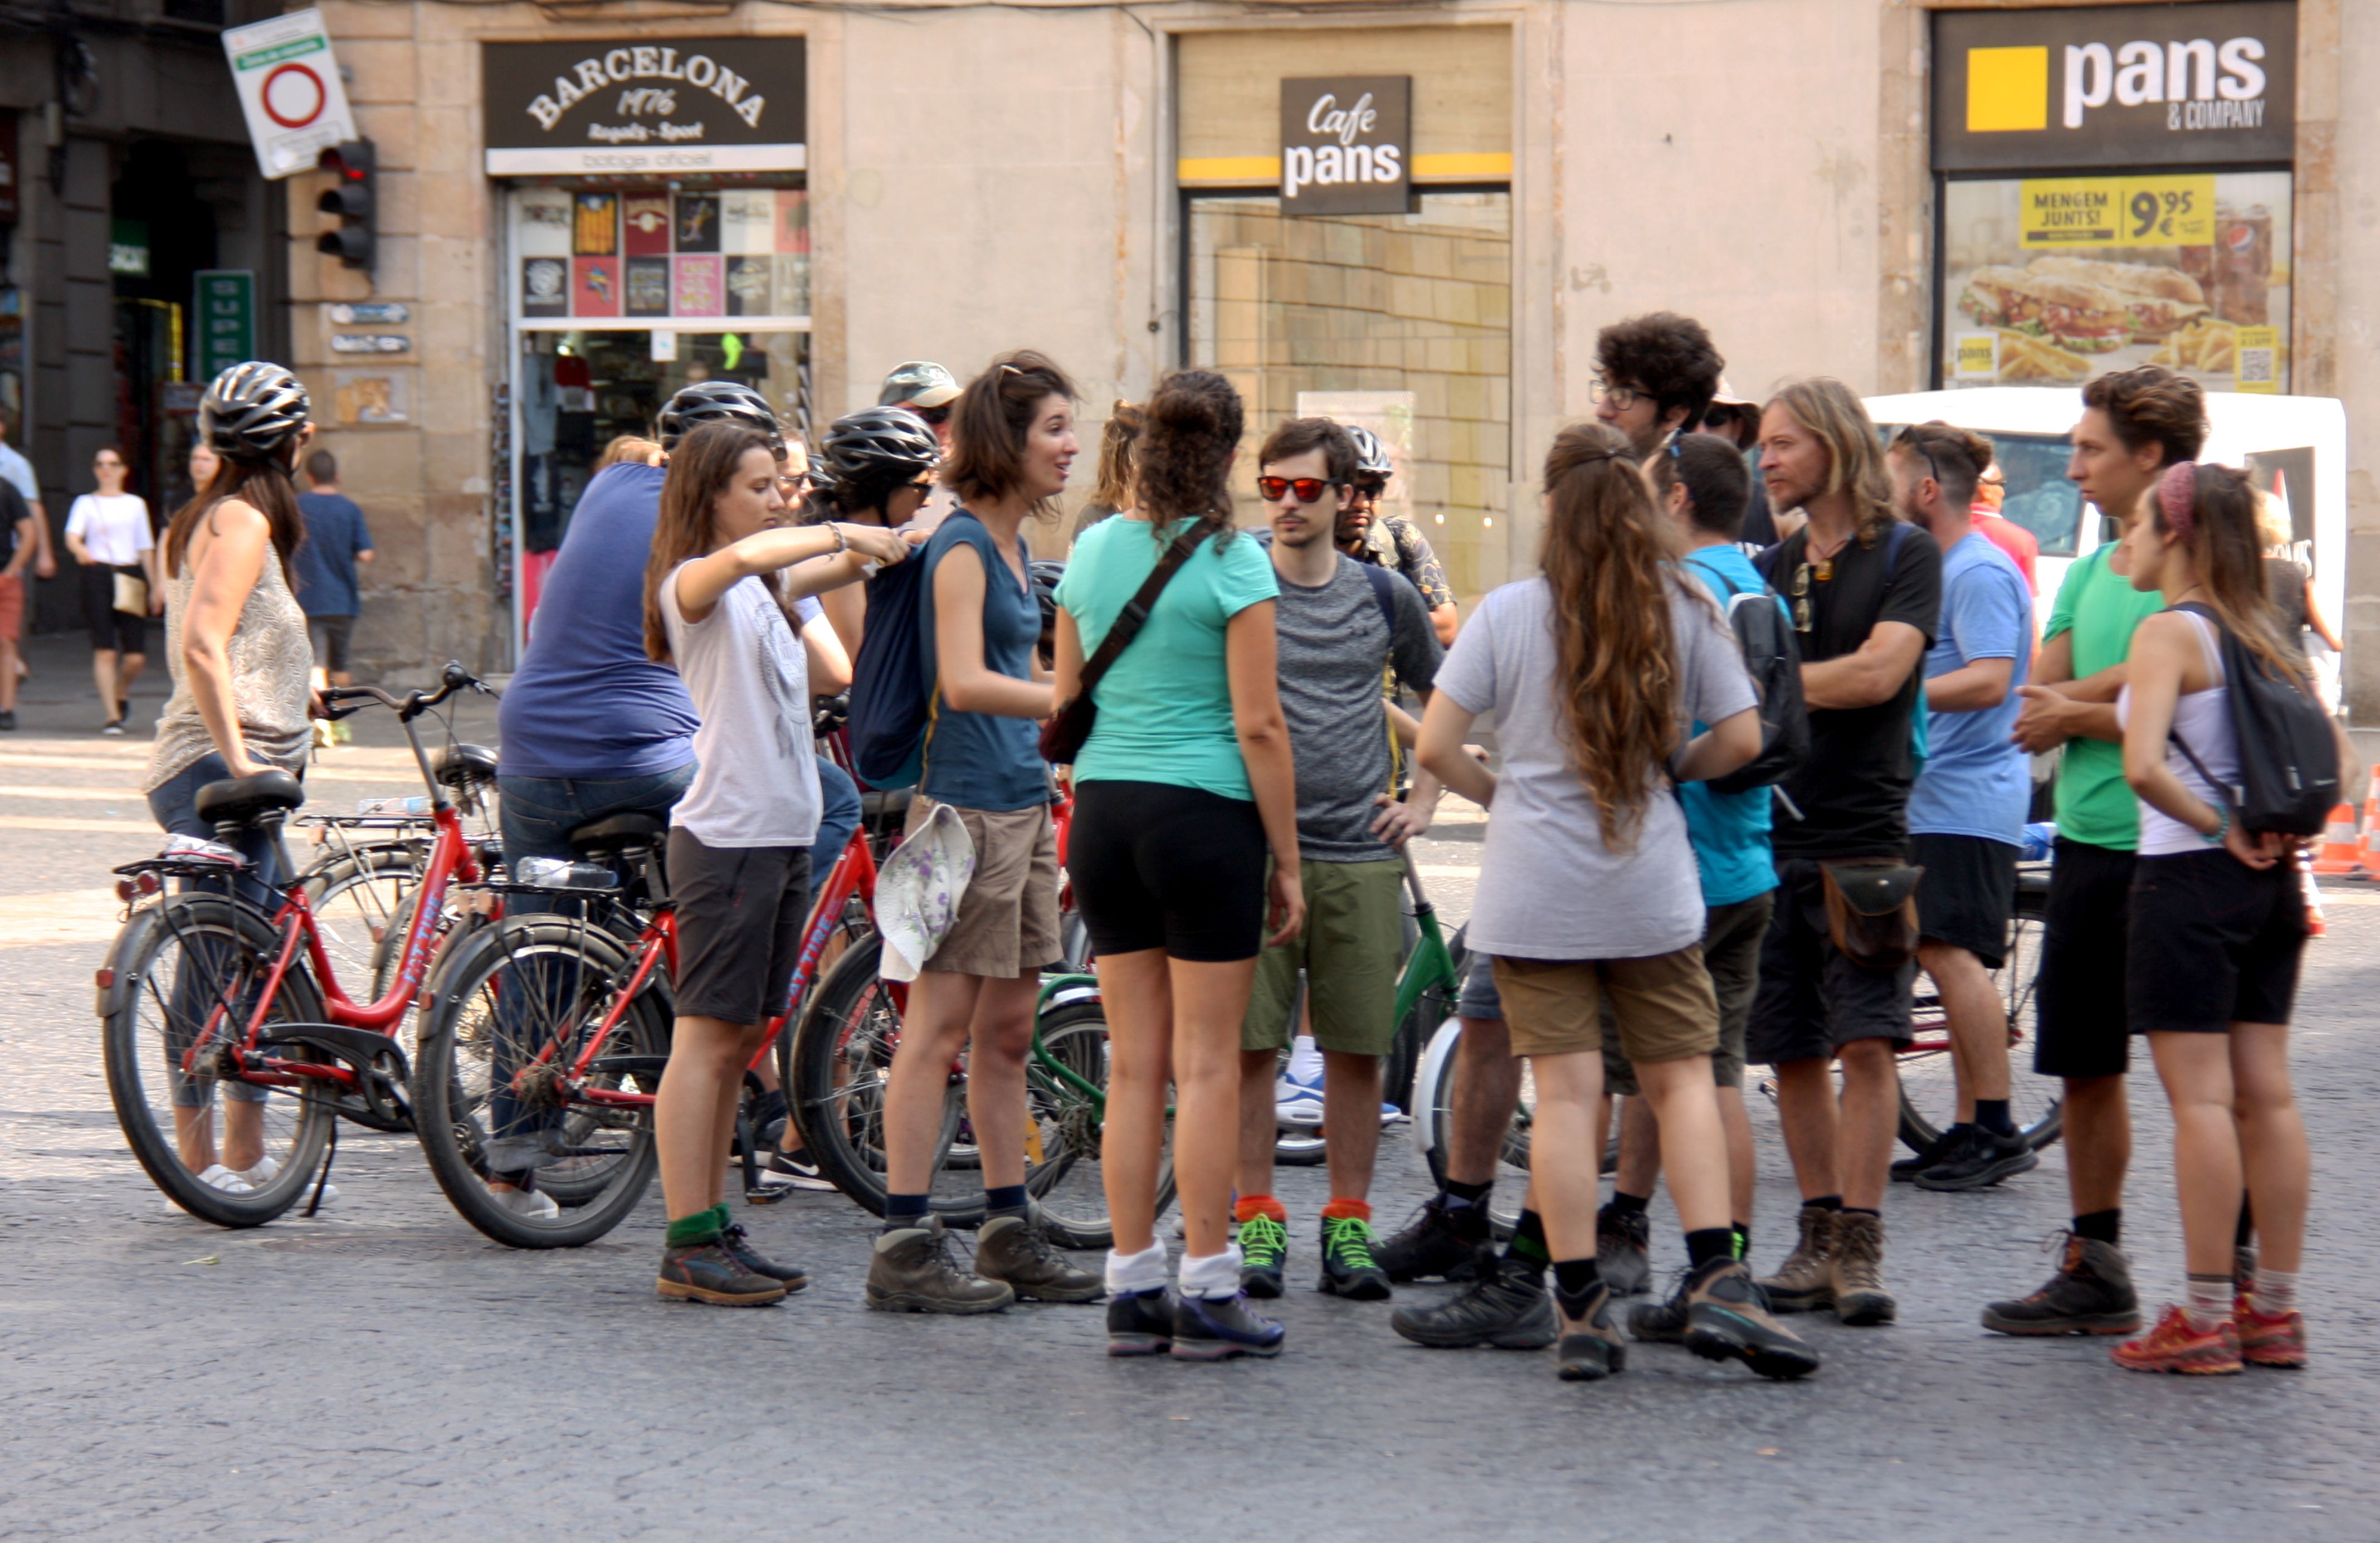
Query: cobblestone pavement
point(383, 1372)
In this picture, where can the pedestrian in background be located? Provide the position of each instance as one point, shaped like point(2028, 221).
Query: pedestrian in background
point(108, 533)
point(337, 545)
point(18, 549)
point(1112, 493)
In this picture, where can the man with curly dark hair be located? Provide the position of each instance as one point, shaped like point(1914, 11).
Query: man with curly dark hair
point(1654, 375)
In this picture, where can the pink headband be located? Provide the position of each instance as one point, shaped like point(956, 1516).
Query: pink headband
point(2178, 495)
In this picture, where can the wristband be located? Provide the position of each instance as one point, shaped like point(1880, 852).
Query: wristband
point(2222, 828)
point(842, 542)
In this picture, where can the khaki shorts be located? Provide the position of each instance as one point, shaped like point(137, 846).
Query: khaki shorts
point(1007, 924)
point(1663, 1005)
point(1351, 951)
point(1732, 939)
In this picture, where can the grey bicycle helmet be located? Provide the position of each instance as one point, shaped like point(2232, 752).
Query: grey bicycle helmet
point(717, 401)
point(252, 411)
point(1371, 455)
point(877, 445)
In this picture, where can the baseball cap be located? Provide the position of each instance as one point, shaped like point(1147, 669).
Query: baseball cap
point(918, 383)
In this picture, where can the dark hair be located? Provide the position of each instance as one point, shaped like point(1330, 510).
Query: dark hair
point(262, 484)
point(322, 467)
point(1954, 456)
point(1301, 435)
point(1666, 357)
point(701, 469)
point(1118, 442)
point(1195, 422)
point(2226, 546)
point(1718, 485)
point(990, 419)
point(2151, 404)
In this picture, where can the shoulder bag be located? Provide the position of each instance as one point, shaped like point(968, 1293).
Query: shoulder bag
point(1069, 728)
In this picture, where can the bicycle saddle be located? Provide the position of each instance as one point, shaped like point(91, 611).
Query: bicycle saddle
point(464, 765)
point(618, 833)
point(242, 801)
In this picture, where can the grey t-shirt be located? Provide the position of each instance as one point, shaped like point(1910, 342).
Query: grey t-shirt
point(1334, 645)
point(1549, 888)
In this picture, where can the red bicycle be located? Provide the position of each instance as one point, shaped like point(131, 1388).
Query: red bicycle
point(227, 989)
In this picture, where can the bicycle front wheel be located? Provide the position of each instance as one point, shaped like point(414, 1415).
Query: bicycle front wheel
point(1434, 1124)
point(1063, 1169)
point(187, 976)
point(514, 1008)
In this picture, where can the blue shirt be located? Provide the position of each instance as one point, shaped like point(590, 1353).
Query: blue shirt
point(586, 702)
point(325, 562)
point(1975, 783)
point(980, 761)
point(1730, 831)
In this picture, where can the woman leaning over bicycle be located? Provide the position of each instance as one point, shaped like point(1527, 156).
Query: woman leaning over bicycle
point(236, 645)
point(1011, 442)
point(716, 605)
point(1183, 785)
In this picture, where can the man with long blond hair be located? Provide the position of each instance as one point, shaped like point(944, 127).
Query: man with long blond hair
point(1866, 592)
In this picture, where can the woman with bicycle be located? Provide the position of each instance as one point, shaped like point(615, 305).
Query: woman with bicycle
point(1588, 895)
point(241, 707)
point(1011, 442)
point(717, 605)
point(1182, 787)
point(2217, 927)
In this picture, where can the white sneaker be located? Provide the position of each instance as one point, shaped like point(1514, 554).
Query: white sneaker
point(1297, 1101)
point(261, 1175)
point(529, 1205)
point(216, 1177)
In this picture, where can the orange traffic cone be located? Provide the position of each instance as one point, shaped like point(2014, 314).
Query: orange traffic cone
point(2341, 852)
point(2372, 827)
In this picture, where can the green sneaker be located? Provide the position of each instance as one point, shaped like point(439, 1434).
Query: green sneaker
point(1348, 1267)
point(1264, 1247)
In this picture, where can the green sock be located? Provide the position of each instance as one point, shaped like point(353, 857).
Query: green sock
point(703, 1226)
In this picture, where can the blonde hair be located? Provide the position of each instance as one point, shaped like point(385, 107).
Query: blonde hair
point(629, 449)
point(1833, 413)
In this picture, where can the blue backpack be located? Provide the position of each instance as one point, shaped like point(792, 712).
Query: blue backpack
point(892, 683)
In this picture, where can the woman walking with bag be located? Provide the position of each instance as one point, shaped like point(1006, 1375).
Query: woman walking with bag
point(1182, 785)
point(108, 533)
point(2217, 927)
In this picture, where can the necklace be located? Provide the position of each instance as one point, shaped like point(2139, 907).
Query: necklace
point(1824, 568)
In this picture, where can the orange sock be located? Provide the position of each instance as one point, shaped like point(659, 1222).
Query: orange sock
point(1259, 1205)
point(1360, 1209)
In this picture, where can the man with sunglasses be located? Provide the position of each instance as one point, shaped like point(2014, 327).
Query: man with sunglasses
point(1389, 542)
point(928, 389)
point(1340, 625)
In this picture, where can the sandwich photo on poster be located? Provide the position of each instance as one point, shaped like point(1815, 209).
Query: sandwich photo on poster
point(2048, 281)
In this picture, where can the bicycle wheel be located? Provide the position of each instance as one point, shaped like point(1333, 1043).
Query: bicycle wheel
point(516, 989)
point(1434, 1120)
point(1064, 1170)
point(359, 901)
point(842, 1063)
point(1929, 1084)
point(173, 964)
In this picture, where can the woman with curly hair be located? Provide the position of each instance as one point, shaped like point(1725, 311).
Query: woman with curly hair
point(1588, 892)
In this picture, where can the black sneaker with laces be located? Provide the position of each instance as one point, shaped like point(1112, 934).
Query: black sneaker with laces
point(1980, 1160)
point(1348, 1267)
point(708, 1272)
point(1141, 1322)
point(1206, 1329)
point(1908, 1168)
point(1727, 1319)
point(1506, 1307)
point(1439, 1241)
point(785, 1173)
point(739, 1243)
point(1264, 1254)
point(1589, 1348)
point(1662, 1322)
point(1623, 1250)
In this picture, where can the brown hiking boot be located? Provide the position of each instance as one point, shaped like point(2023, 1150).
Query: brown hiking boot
point(1805, 1282)
point(1015, 1250)
point(1588, 1347)
point(913, 1273)
point(1858, 1264)
point(2090, 1293)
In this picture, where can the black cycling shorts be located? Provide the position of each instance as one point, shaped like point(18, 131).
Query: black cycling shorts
point(2214, 943)
point(1157, 865)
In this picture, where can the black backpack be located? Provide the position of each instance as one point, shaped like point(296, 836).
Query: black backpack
point(1773, 662)
point(2288, 752)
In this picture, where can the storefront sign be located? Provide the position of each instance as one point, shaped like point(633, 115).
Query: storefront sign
point(128, 248)
point(367, 313)
point(223, 302)
point(1346, 145)
point(2210, 84)
point(289, 87)
point(370, 343)
point(599, 109)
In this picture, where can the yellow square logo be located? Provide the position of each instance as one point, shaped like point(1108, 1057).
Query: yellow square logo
point(2006, 89)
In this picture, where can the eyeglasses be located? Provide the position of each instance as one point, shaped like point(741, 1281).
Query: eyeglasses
point(1622, 397)
point(1800, 592)
point(794, 483)
point(1309, 489)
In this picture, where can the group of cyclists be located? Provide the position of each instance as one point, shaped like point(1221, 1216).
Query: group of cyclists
point(1748, 782)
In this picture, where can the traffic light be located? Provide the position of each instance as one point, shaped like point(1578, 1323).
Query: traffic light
point(350, 198)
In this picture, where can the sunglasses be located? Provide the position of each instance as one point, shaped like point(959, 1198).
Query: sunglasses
point(1799, 592)
point(1309, 489)
point(935, 417)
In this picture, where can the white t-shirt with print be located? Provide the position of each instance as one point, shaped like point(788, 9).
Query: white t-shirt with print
point(114, 528)
point(756, 777)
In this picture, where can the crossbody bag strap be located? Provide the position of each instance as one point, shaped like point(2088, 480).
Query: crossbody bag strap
point(1135, 614)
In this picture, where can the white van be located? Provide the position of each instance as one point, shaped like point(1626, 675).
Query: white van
point(2295, 446)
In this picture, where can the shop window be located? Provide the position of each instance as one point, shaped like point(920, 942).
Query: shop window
point(1401, 322)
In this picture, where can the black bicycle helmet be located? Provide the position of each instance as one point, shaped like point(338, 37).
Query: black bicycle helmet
point(717, 401)
point(1045, 574)
point(877, 446)
point(252, 411)
point(1371, 455)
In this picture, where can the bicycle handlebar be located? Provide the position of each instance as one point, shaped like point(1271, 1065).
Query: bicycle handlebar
point(339, 701)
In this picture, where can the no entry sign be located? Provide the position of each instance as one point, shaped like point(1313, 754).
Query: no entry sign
point(289, 87)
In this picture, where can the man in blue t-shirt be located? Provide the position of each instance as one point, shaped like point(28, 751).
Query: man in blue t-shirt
point(337, 542)
point(1966, 813)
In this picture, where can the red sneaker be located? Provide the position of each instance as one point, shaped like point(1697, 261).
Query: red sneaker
point(2272, 1341)
point(2173, 1346)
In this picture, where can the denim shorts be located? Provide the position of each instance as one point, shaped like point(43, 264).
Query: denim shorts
point(1478, 997)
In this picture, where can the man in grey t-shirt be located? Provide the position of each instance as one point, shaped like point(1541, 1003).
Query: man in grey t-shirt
point(1341, 625)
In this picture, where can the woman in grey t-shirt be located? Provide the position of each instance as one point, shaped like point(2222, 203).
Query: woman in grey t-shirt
point(1587, 891)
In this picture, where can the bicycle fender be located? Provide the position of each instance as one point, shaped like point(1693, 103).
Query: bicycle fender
point(115, 981)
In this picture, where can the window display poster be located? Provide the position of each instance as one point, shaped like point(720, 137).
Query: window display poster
point(646, 217)
point(649, 287)
point(793, 222)
point(698, 289)
point(650, 254)
point(698, 222)
point(749, 288)
point(2048, 281)
point(545, 286)
point(747, 221)
point(595, 228)
point(542, 222)
point(595, 286)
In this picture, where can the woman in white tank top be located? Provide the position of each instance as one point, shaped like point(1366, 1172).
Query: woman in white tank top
point(2218, 925)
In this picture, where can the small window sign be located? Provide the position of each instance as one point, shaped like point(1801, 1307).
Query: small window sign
point(1346, 145)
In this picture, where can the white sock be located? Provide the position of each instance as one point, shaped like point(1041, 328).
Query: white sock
point(2277, 1292)
point(2210, 1301)
point(1128, 1273)
point(1213, 1276)
point(1305, 1059)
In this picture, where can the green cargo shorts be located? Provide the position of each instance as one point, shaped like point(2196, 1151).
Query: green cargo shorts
point(1351, 951)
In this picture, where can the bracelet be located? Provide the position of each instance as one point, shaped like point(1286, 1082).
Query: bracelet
point(2222, 828)
point(842, 542)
